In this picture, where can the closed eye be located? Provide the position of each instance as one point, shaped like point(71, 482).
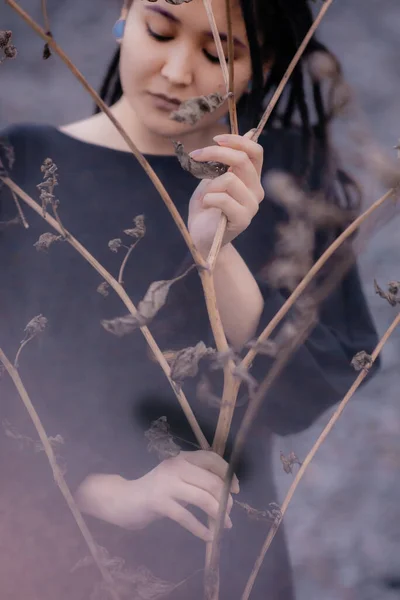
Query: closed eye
point(167, 38)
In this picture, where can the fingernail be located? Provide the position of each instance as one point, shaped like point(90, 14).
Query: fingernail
point(221, 138)
point(195, 153)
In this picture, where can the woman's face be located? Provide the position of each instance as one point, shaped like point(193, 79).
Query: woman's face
point(169, 49)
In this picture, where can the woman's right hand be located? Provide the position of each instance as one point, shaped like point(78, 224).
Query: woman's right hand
point(195, 478)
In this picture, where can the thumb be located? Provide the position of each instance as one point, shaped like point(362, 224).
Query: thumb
point(250, 133)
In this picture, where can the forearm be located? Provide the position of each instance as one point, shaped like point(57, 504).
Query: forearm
point(239, 298)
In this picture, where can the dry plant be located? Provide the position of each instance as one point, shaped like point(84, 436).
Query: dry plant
point(295, 275)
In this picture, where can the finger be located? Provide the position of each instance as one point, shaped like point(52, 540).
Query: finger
point(205, 480)
point(254, 151)
point(184, 517)
point(237, 216)
point(238, 161)
point(210, 460)
point(232, 185)
point(200, 498)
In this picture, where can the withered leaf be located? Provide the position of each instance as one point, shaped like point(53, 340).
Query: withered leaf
point(115, 244)
point(186, 362)
point(161, 440)
point(220, 359)
point(205, 394)
point(192, 110)
point(361, 361)
point(121, 326)
point(46, 240)
point(35, 326)
point(273, 514)
point(394, 287)
point(139, 230)
point(244, 375)
point(390, 295)
point(202, 170)
point(289, 461)
point(103, 289)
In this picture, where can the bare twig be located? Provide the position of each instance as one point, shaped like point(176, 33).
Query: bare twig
point(57, 474)
point(19, 209)
point(311, 454)
point(125, 299)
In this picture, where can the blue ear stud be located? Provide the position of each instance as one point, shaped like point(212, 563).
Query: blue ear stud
point(119, 29)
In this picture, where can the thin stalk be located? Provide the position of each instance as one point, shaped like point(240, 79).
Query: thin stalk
point(142, 161)
point(19, 209)
point(45, 15)
point(312, 453)
point(57, 474)
point(125, 299)
point(126, 257)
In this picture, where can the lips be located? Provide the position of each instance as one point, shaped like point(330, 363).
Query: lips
point(173, 101)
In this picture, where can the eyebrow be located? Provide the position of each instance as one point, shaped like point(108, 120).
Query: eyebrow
point(173, 19)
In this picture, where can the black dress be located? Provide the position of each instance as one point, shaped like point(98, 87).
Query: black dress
point(101, 392)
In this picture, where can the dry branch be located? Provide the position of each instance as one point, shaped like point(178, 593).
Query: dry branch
point(125, 299)
point(57, 474)
point(311, 454)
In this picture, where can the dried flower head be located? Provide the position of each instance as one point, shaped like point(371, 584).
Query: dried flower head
point(115, 245)
point(35, 326)
point(362, 361)
point(5, 37)
point(391, 295)
point(103, 289)
point(139, 230)
point(284, 190)
point(285, 273)
point(186, 362)
point(296, 238)
point(46, 240)
point(202, 170)
point(273, 514)
point(289, 461)
point(192, 110)
point(49, 170)
point(8, 49)
point(161, 440)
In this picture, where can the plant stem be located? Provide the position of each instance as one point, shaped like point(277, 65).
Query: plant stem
point(126, 257)
point(248, 359)
point(57, 474)
point(125, 299)
point(311, 454)
point(19, 209)
point(142, 161)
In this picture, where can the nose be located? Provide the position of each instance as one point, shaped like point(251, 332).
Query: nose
point(178, 66)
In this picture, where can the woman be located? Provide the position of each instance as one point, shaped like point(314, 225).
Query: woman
point(100, 392)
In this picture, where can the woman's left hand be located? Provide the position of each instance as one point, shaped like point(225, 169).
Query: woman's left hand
point(237, 193)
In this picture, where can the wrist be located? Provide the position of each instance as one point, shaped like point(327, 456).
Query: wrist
point(98, 495)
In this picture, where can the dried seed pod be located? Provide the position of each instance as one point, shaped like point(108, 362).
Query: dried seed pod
point(186, 362)
point(394, 287)
point(361, 361)
point(289, 461)
point(46, 240)
point(390, 295)
point(201, 170)
point(35, 326)
point(103, 289)
point(139, 230)
point(10, 51)
point(161, 440)
point(5, 37)
point(114, 245)
point(192, 110)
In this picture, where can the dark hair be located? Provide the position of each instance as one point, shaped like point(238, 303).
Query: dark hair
point(284, 26)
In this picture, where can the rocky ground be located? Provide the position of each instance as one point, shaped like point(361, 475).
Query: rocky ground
point(343, 526)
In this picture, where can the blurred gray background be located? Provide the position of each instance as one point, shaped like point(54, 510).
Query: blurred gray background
point(343, 525)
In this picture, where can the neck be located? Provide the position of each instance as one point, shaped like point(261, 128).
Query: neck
point(148, 141)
